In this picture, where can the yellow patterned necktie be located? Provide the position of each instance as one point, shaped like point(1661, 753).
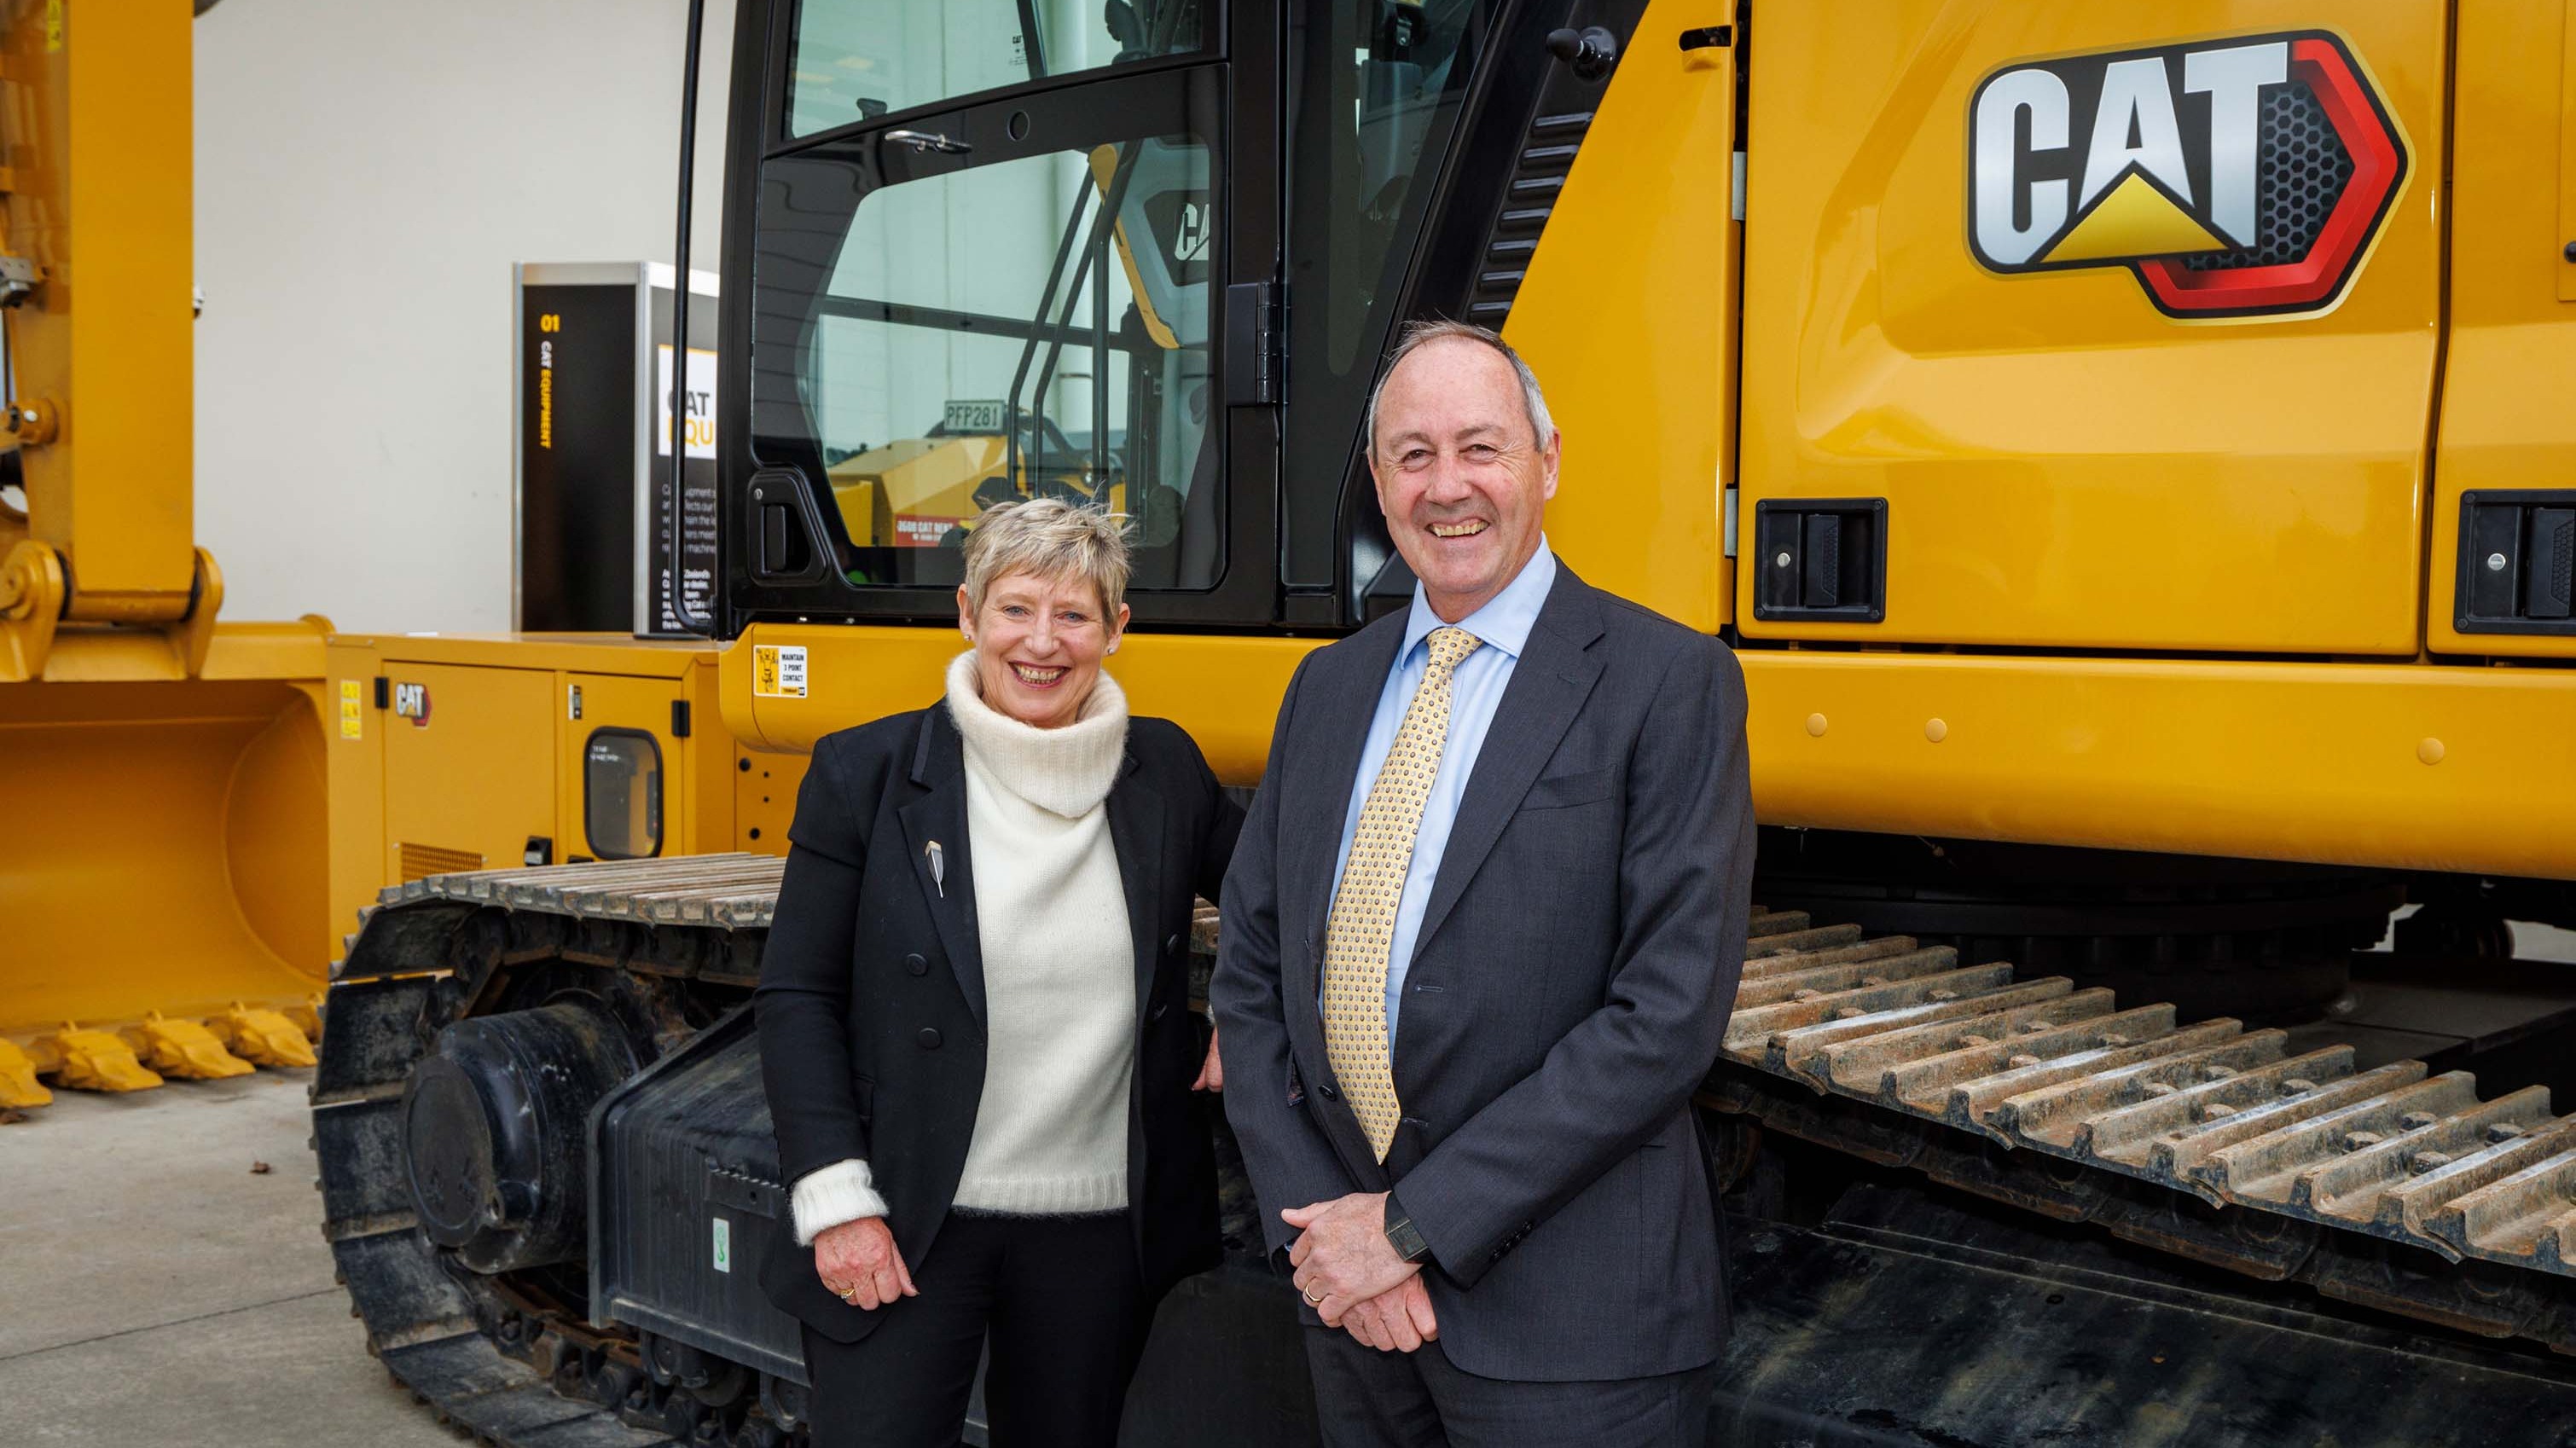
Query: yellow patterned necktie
point(1362, 928)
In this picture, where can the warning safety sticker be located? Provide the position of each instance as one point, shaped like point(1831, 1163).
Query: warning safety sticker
point(778, 671)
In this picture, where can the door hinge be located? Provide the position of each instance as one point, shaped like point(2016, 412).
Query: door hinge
point(1727, 498)
point(1256, 351)
point(1735, 186)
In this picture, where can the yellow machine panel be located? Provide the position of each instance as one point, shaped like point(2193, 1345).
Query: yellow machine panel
point(1951, 305)
point(2505, 419)
point(490, 752)
point(2387, 765)
point(1225, 691)
point(1628, 312)
point(2392, 766)
point(469, 770)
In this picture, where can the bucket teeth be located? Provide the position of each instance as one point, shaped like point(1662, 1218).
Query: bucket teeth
point(262, 1037)
point(18, 1084)
point(91, 1061)
point(184, 1049)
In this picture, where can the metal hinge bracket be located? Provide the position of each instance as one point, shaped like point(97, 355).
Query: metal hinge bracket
point(1256, 350)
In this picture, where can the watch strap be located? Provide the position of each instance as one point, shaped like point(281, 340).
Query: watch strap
point(1402, 1235)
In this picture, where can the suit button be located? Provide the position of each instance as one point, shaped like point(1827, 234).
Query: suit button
point(1329, 1093)
point(928, 1036)
point(1172, 946)
point(916, 964)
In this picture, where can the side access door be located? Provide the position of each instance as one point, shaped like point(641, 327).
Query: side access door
point(2504, 499)
point(2084, 327)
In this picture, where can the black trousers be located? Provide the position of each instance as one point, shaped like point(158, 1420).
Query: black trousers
point(1062, 1306)
point(1365, 1398)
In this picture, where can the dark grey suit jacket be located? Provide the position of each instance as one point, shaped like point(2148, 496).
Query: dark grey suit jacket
point(1569, 987)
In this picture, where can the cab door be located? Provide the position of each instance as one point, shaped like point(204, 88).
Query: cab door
point(2089, 327)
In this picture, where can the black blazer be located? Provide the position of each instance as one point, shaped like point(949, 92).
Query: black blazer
point(1570, 984)
point(871, 999)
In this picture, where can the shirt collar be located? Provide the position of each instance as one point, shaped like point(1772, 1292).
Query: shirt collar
point(1506, 619)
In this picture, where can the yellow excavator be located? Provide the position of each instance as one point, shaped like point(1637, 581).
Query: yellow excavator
point(2121, 443)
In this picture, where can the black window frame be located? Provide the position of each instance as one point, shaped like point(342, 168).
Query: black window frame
point(1240, 60)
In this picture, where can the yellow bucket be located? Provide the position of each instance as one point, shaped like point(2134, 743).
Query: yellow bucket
point(164, 844)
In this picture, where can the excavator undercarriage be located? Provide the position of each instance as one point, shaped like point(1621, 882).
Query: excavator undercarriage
point(554, 1282)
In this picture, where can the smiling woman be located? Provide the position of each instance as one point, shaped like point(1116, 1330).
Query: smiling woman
point(1044, 600)
point(974, 1019)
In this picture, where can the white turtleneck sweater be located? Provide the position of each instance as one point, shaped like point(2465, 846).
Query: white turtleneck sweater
point(1059, 971)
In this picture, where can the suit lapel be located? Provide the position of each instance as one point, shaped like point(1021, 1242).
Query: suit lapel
point(938, 818)
point(1550, 681)
point(1136, 833)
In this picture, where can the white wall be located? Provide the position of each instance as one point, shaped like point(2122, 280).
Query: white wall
point(366, 173)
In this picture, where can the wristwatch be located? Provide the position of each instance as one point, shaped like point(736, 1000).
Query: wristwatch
point(1402, 1235)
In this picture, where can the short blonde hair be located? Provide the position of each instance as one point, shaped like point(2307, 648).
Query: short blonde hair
point(1052, 539)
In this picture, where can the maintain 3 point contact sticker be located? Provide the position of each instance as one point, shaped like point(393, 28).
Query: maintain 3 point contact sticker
point(778, 671)
point(2242, 177)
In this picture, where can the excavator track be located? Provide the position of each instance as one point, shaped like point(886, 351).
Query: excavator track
point(665, 946)
point(2392, 1188)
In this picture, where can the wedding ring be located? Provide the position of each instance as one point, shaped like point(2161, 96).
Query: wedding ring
point(1311, 1299)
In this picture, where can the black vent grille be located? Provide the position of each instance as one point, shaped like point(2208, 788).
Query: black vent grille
point(2302, 170)
point(1547, 153)
point(2558, 588)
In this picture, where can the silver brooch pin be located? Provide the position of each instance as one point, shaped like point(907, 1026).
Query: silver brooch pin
point(938, 868)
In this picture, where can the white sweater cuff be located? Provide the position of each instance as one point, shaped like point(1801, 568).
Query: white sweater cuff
point(842, 1192)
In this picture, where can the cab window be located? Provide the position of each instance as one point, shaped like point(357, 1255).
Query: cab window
point(857, 60)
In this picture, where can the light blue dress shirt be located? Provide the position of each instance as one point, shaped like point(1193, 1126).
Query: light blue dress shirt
point(1475, 690)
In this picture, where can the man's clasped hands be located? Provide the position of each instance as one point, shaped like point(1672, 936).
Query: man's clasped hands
point(1352, 1276)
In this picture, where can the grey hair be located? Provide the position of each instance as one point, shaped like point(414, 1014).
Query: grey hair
point(1419, 334)
point(1053, 539)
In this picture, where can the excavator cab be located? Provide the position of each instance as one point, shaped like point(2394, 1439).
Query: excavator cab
point(1001, 250)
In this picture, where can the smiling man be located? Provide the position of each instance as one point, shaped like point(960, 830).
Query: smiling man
point(1481, 936)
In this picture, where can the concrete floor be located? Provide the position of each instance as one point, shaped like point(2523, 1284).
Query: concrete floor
point(154, 1289)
